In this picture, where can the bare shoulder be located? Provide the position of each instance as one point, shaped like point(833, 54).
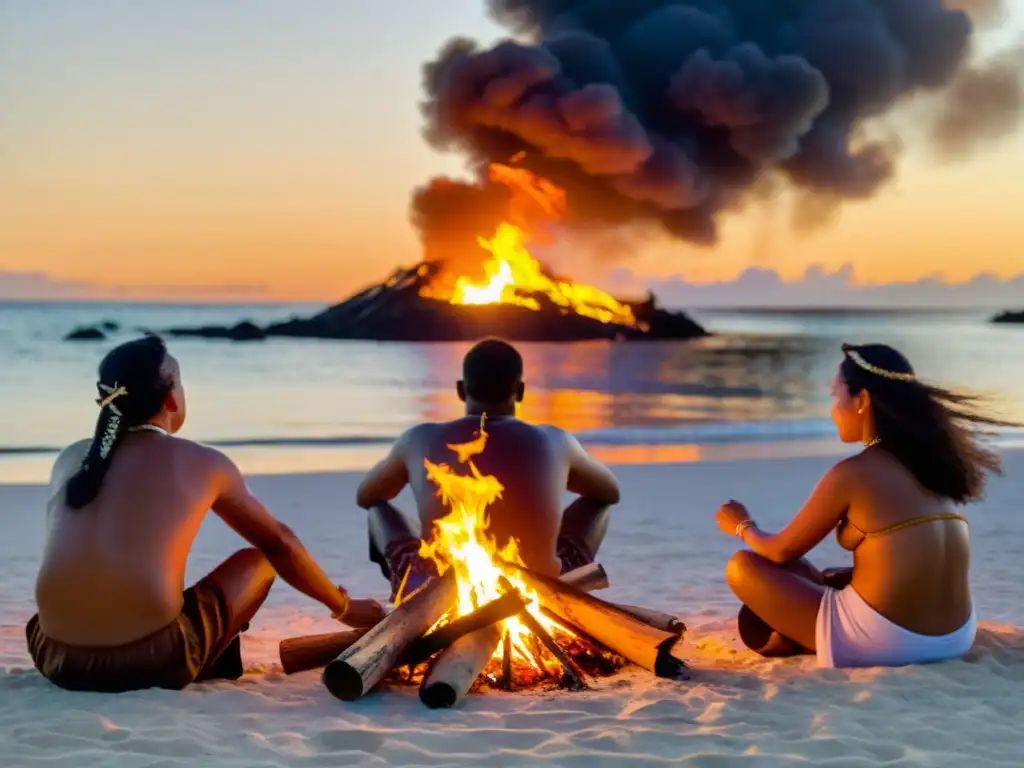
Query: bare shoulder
point(418, 432)
point(68, 461)
point(206, 456)
point(415, 438)
point(857, 471)
point(553, 433)
point(877, 469)
point(561, 440)
point(203, 462)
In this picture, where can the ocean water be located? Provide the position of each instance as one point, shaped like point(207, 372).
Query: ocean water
point(287, 405)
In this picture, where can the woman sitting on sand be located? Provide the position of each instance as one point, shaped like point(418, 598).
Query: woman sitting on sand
point(907, 598)
point(124, 507)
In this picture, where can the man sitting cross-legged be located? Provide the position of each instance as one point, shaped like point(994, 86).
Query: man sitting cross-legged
point(536, 464)
point(124, 508)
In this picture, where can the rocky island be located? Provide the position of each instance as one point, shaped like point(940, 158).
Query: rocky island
point(402, 308)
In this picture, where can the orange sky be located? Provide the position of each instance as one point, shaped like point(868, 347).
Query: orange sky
point(281, 152)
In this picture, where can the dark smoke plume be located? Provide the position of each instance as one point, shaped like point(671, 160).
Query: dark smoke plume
point(983, 104)
point(984, 13)
point(671, 110)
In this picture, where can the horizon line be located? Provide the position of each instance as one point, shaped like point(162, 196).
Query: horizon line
point(737, 308)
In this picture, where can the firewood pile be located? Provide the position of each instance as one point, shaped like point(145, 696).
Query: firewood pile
point(421, 642)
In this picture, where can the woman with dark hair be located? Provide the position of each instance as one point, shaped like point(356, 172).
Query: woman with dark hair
point(907, 598)
point(124, 508)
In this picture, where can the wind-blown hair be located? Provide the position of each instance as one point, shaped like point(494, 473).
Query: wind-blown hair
point(132, 386)
point(933, 432)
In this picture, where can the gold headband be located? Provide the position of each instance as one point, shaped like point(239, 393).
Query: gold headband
point(113, 393)
point(862, 363)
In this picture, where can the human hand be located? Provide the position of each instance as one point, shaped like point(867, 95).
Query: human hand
point(363, 613)
point(729, 515)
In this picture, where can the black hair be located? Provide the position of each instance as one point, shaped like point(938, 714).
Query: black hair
point(933, 432)
point(492, 371)
point(132, 386)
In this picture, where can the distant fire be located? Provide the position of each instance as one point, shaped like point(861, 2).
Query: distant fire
point(512, 275)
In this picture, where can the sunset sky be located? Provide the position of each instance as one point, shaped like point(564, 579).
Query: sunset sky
point(190, 149)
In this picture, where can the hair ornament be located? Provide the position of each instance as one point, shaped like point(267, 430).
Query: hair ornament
point(114, 422)
point(874, 369)
point(112, 393)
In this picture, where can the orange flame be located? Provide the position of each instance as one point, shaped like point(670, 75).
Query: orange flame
point(513, 275)
point(461, 541)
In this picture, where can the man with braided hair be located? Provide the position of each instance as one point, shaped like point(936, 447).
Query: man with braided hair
point(123, 510)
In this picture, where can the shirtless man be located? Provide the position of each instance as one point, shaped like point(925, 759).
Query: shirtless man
point(536, 464)
point(123, 510)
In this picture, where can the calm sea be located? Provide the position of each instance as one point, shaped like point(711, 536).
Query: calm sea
point(288, 405)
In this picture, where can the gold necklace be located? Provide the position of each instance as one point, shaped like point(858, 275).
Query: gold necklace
point(873, 441)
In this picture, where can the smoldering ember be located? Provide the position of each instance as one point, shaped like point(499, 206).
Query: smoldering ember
point(483, 619)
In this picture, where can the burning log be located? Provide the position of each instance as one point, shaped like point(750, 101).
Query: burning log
point(359, 668)
point(299, 654)
point(458, 666)
point(497, 610)
point(506, 663)
point(573, 677)
point(306, 652)
point(657, 619)
point(610, 625)
point(593, 577)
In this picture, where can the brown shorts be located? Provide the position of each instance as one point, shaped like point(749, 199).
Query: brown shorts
point(402, 555)
point(172, 657)
point(572, 554)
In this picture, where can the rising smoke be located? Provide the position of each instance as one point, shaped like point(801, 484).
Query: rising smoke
point(983, 103)
point(671, 111)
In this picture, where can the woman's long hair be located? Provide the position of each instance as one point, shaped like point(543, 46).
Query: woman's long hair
point(933, 432)
point(132, 386)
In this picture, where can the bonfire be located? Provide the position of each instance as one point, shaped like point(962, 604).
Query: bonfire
point(512, 275)
point(486, 619)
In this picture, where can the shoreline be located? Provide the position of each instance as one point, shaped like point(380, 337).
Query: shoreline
point(34, 469)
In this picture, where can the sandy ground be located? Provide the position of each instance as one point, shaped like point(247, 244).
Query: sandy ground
point(663, 551)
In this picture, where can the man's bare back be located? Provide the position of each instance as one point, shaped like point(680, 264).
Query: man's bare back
point(536, 465)
point(116, 572)
point(532, 463)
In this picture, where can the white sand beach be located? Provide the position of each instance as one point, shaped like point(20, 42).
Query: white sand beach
point(663, 551)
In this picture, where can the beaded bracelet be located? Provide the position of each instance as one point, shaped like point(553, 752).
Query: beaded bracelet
point(742, 526)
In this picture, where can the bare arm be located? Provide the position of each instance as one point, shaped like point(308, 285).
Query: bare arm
point(821, 513)
point(387, 477)
point(247, 516)
point(588, 477)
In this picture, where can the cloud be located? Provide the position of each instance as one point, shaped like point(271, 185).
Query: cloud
point(818, 287)
point(39, 286)
point(16, 286)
